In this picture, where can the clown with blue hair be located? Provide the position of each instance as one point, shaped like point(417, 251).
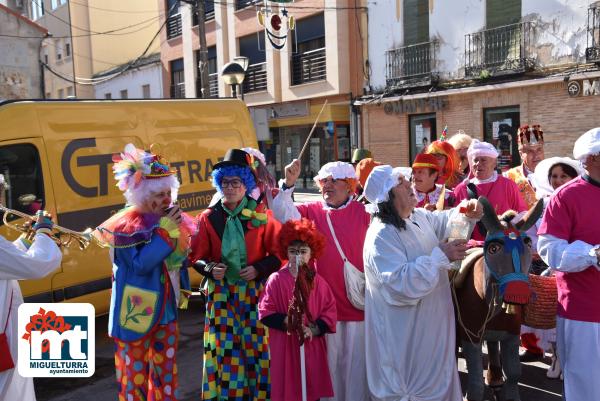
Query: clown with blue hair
point(235, 250)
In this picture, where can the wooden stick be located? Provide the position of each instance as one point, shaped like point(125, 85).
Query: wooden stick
point(312, 130)
point(303, 372)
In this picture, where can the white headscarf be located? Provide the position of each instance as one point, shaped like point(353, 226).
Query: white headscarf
point(539, 179)
point(587, 144)
point(379, 183)
point(336, 170)
point(479, 148)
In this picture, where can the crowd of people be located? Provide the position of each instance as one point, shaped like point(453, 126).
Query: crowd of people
point(345, 298)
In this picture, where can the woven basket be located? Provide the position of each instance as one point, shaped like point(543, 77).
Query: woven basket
point(540, 313)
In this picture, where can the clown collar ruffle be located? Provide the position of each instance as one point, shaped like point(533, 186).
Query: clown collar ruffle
point(129, 227)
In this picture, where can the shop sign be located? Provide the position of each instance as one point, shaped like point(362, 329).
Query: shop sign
point(416, 105)
point(583, 88)
point(293, 109)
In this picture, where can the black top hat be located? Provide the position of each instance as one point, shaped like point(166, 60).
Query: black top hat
point(233, 157)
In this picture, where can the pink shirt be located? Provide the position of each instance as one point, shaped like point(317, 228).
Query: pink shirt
point(285, 349)
point(573, 214)
point(503, 195)
point(350, 224)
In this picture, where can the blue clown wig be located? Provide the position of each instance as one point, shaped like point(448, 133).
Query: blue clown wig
point(234, 171)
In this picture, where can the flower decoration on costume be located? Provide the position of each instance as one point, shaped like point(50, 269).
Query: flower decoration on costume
point(44, 321)
point(134, 165)
point(132, 303)
point(253, 163)
point(255, 213)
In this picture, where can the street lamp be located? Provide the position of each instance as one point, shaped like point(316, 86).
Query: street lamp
point(233, 74)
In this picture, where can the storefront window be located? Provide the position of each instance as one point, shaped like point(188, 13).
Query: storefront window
point(501, 126)
point(322, 148)
point(422, 133)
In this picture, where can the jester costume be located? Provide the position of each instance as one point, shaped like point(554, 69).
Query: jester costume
point(236, 355)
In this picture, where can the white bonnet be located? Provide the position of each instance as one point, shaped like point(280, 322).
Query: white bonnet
point(587, 144)
point(539, 179)
point(336, 170)
point(479, 148)
point(379, 183)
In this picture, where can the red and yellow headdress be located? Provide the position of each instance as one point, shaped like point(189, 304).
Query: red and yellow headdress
point(530, 135)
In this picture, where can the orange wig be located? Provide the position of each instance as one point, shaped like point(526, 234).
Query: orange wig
point(303, 230)
point(450, 173)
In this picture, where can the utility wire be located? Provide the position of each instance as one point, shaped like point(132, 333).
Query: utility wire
point(95, 81)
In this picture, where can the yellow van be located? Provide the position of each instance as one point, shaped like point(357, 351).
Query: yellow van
point(57, 155)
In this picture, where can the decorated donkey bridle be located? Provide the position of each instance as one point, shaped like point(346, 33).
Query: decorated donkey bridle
point(513, 243)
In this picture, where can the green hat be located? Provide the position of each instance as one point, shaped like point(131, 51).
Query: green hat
point(360, 154)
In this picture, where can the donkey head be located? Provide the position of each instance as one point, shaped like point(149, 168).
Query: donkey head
point(507, 253)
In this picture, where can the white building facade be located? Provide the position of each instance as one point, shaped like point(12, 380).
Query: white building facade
point(143, 81)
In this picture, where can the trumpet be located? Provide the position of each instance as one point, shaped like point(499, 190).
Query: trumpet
point(63, 237)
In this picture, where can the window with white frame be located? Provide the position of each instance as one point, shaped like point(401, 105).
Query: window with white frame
point(37, 9)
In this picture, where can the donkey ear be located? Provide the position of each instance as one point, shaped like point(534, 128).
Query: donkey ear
point(490, 218)
point(531, 217)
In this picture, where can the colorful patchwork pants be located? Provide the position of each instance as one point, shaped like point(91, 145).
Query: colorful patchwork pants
point(146, 369)
point(236, 353)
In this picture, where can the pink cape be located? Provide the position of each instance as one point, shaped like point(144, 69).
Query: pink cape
point(285, 349)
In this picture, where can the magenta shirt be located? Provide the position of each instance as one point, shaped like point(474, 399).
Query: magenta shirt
point(573, 213)
point(350, 224)
point(503, 195)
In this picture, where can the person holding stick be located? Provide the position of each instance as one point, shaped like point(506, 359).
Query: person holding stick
point(344, 222)
point(299, 302)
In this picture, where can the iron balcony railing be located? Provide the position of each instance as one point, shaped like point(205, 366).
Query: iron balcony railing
point(174, 26)
point(498, 51)
point(209, 12)
point(213, 85)
point(178, 90)
point(411, 65)
point(309, 66)
point(239, 4)
point(592, 52)
point(256, 78)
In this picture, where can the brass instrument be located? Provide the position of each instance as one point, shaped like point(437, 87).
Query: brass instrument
point(61, 235)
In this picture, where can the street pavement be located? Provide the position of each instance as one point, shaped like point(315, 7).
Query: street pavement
point(534, 386)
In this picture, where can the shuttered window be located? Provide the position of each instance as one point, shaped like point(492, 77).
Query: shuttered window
point(416, 21)
point(502, 12)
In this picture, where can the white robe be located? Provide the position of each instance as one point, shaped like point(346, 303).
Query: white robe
point(17, 263)
point(409, 316)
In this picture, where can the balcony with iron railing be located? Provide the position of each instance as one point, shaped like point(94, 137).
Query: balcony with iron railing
point(213, 86)
point(178, 90)
point(592, 51)
point(411, 66)
point(256, 78)
point(500, 51)
point(309, 66)
point(174, 26)
point(241, 4)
